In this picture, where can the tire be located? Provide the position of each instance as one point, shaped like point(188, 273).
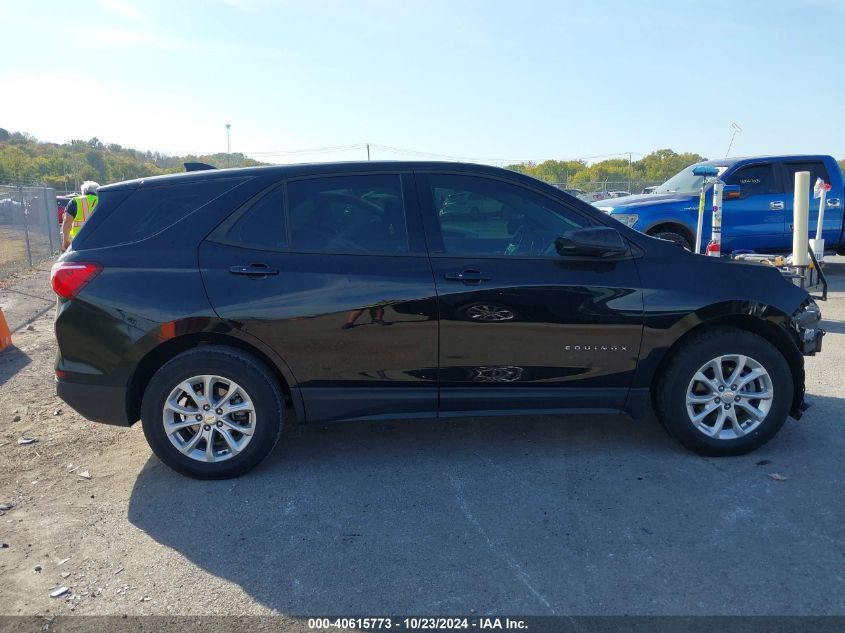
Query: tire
point(257, 404)
point(674, 237)
point(676, 385)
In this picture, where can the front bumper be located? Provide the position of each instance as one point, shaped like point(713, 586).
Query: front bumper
point(812, 341)
point(806, 323)
point(98, 403)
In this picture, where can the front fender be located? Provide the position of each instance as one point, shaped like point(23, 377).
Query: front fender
point(645, 224)
point(767, 321)
point(665, 331)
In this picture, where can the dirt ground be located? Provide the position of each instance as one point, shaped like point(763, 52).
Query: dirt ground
point(514, 514)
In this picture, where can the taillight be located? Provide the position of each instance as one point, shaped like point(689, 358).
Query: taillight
point(68, 278)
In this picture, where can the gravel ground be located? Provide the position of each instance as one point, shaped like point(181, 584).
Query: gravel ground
point(581, 515)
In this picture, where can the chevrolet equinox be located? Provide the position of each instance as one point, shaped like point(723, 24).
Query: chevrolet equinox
point(216, 305)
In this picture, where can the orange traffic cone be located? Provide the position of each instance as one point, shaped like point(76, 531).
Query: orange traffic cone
point(5, 334)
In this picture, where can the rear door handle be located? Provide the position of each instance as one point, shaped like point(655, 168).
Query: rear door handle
point(776, 206)
point(469, 276)
point(833, 202)
point(254, 270)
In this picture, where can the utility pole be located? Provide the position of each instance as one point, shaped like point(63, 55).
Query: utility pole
point(228, 146)
point(368, 151)
point(630, 170)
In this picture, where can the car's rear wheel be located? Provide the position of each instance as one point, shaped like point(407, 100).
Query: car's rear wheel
point(212, 413)
point(725, 392)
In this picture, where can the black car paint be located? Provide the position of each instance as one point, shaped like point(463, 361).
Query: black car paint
point(586, 334)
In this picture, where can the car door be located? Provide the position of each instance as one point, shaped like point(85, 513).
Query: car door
point(832, 219)
point(332, 274)
point(755, 220)
point(522, 328)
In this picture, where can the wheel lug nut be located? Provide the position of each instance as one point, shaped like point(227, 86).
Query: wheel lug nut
point(206, 427)
point(721, 388)
point(718, 400)
point(737, 399)
point(219, 411)
point(199, 417)
point(205, 407)
point(219, 423)
point(727, 406)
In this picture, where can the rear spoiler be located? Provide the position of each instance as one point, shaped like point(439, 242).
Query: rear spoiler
point(198, 167)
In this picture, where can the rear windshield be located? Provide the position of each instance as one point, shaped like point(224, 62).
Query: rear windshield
point(149, 210)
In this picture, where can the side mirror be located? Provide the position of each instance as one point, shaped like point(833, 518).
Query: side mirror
point(594, 241)
point(731, 192)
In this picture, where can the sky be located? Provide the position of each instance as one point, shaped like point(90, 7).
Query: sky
point(489, 81)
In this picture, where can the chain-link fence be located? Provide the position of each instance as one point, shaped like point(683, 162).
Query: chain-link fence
point(627, 186)
point(29, 227)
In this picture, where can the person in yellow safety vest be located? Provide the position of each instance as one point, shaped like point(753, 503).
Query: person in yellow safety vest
point(78, 211)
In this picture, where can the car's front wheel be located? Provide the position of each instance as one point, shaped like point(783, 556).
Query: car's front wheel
point(212, 413)
point(726, 391)
point(673, 236)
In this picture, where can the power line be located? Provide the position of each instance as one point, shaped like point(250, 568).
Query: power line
point(421, 154)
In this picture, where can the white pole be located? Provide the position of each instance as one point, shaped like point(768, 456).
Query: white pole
point(818, 244)
point(700, 226)
point(820, 223)
point(801, 215)
point(714, 248)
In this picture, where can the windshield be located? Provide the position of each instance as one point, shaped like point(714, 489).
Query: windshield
point(685, 182)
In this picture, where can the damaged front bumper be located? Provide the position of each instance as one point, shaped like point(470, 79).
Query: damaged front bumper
point(806, 321)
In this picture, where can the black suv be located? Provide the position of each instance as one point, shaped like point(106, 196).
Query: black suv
point(214, 305)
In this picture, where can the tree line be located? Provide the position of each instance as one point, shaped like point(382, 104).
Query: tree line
point(656, 167)
point(26, 160)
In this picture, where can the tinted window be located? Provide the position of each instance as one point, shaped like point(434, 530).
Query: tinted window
point(480, 216)
point(149, 210)
point(348, 214)
point(263, 226)
point(816, 169)
point(753, 180)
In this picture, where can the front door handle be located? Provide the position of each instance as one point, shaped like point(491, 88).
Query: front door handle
point(833, 202)
point(470, 277)
point(776, 206)
point(254, 270)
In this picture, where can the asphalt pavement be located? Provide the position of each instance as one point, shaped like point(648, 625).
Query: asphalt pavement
point(594, 515)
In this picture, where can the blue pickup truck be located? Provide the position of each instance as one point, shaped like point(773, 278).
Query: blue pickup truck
point(758, 217)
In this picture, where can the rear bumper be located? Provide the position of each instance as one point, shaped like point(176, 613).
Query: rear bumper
point(98, 403)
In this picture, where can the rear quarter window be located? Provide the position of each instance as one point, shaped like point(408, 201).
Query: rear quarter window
point(150, 210)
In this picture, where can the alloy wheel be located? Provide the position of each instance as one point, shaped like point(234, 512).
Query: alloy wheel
point(729, 396)
point(209, 418)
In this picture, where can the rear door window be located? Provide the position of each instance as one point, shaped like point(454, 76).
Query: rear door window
point(348, 214)
point(816, 168)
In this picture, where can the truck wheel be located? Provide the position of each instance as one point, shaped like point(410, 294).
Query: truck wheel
point(674, 237)
point(725, 392)
point(212, 413)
